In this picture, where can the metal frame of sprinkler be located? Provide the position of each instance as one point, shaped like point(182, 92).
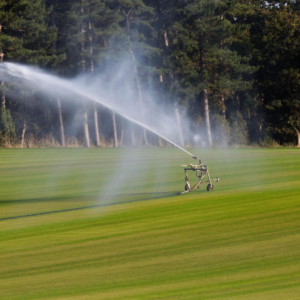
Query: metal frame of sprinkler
point(203, 170)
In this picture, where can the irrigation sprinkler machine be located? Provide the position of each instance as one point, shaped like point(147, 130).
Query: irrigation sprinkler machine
point(201, 172)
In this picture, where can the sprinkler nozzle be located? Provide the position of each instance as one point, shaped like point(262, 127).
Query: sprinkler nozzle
point(194, 157)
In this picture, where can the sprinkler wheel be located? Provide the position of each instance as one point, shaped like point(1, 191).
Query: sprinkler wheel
point(210, 187)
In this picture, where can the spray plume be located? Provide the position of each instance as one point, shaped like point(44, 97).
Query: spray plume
point(10, 72)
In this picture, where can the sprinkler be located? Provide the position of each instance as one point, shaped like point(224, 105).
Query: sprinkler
point(201, 172)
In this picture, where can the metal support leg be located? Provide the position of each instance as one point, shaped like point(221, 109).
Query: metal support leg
point(209, 177)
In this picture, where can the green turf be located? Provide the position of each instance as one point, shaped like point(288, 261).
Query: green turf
point(240, 241)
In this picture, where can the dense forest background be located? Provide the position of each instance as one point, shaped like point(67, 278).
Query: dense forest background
point(232, 66)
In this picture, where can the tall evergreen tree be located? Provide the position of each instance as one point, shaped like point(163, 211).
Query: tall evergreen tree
point(136, 23)
point(273, 39)
point(25, 35)
point(163, 22)
point(205, 67)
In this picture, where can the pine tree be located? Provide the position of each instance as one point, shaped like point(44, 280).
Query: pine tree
point(163, 22)
point(274, 35)
point(102, 24)
point(26, 36)
point(136, 23)
point(91, 23)
point(205, 67)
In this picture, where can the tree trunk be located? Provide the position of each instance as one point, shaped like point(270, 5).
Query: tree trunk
point(224, 108)
point(122, 133)
point(86, 127)
point(166, 38)
point(115, 129)
point(3, 99)
point(61, 123)
point(223, 99)
point(137, 80)
point(132, 135)
point(160, 142)
point(97, 136)
point(91, 47)
point(23, 132)
point(92, 72)
point(85, 116)
point(171, 76)
point(140, 96)
point(298, 135)
point(114, 122)
point(96, 125)
point(82, 33)
point(122, 136)
point(205, 98)
point(181, 139)
point(207, 119)
point(62, 131)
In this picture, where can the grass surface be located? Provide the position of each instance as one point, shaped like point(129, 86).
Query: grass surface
point(241, 241)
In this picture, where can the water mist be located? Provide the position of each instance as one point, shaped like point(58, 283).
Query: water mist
point(160, 119)
point(161, 125)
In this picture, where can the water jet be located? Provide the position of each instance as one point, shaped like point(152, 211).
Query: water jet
point(55, 85)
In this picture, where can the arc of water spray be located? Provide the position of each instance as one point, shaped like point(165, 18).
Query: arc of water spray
point(39, 78)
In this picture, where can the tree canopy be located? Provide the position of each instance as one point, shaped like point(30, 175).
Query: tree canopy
point(232, 66)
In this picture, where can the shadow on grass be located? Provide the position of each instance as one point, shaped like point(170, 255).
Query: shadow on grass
point(38, 200)
point(118, 197)
point(140, 196)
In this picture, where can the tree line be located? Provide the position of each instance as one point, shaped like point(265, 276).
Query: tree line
point(233, 65)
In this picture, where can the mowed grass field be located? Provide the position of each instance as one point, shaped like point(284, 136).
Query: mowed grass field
point(240, 241)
